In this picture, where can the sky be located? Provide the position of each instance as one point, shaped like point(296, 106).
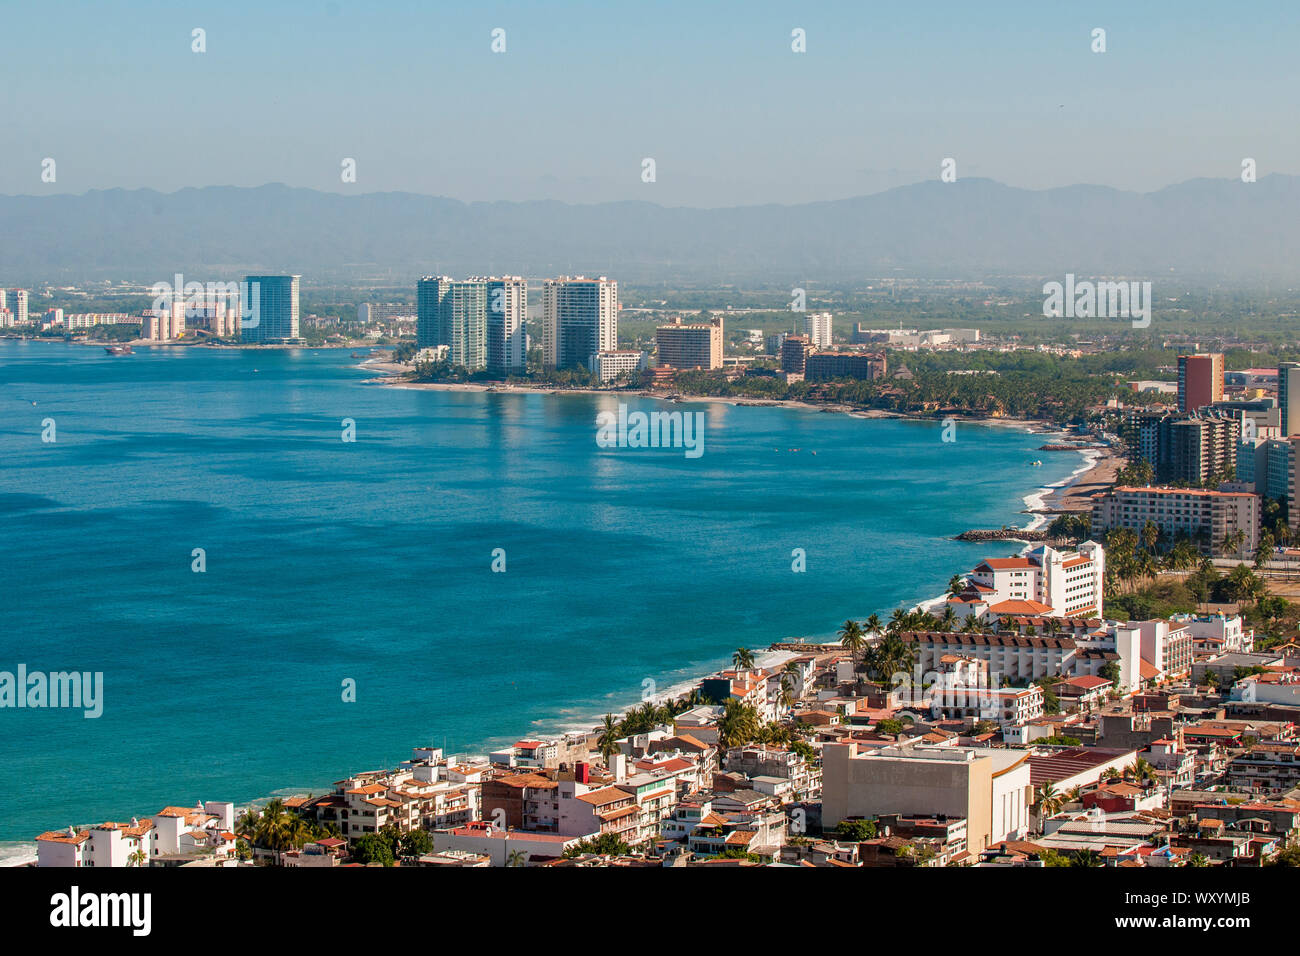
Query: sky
point(584, 93)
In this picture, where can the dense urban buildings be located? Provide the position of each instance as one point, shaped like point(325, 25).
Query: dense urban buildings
point(273, 310)
point(579, 319)
point(697, 346)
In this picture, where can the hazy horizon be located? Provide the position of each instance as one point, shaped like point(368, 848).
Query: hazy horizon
point(581, 95)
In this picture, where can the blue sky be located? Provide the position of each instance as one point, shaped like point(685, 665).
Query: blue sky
point(585, 91)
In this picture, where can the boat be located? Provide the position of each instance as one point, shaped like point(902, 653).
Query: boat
point(118, 349)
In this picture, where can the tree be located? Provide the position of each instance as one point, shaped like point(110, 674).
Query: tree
point(610, 733)
point(851, 638)
point(743, 659)
point(516, 859)
point(739, 724)
point(856, 830)
point(372, 848)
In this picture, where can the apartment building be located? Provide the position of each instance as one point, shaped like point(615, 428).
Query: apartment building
point(696, 346)
point(1206, 517)
point(794, 354)
point(579, 319)
point(817, 326)
point(507, 334)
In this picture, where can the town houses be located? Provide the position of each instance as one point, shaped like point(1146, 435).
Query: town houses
point(1028, 730)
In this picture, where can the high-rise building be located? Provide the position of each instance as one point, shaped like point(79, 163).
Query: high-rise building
point(507, 335)
point(455, 314)
point(1288, 387)
point(794, 354)
point(272, 308)
point(690, 346)
point(20, 306)
point(817, 326)
point(1200, 381)
point(428, 303)
point(463, 323)
point(579, 319)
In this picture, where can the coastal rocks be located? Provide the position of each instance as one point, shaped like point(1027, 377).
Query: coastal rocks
point(1001, 534)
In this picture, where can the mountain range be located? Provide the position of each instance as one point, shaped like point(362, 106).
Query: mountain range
point(1219, 230)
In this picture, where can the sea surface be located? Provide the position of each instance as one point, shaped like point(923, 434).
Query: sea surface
point(328, 560)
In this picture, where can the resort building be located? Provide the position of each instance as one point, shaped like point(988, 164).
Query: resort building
point(824, 366)
point(1206, 517)
point(607, 366)
point(273, 310)
point(1012, 657)
point(690, 346)
point(1043, 582)
point(579, 319)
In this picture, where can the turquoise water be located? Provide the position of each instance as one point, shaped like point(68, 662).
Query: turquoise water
point(370, 560)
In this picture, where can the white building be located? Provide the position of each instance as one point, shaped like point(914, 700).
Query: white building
point(579, 319)
point(507, 336)
point(1044, 583)
point(608, 366)
point(817, 326)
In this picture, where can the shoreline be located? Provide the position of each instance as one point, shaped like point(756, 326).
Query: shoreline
point(1094, 469)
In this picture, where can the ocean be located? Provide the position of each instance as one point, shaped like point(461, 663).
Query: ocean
point(327, 561)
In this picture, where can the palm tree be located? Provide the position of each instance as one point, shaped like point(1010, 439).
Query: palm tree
point(607, 743)
point(956, 584)
point(948, 619)
point(872, 625)
point(738, 726)
point(137, 858)
point(851, 638)
point(517, 858)
point(787, 689)
point(743, 659)
point(1049, 801)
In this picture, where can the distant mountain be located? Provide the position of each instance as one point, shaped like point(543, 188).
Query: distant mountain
point(1217, 229)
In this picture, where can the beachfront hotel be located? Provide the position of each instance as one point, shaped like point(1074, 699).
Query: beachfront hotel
point(579, 319)
point(274, 310)
point(1042, 583)
point(690, 346)
point(1206, 517)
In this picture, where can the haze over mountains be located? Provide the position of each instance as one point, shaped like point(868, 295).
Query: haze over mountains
point(1205, 229)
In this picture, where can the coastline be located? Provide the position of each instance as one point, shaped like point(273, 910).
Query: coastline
point(1090, 470)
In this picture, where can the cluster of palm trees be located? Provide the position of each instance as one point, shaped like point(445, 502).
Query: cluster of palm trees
point(276, 828)
point(889, 655)
point(642, 719)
